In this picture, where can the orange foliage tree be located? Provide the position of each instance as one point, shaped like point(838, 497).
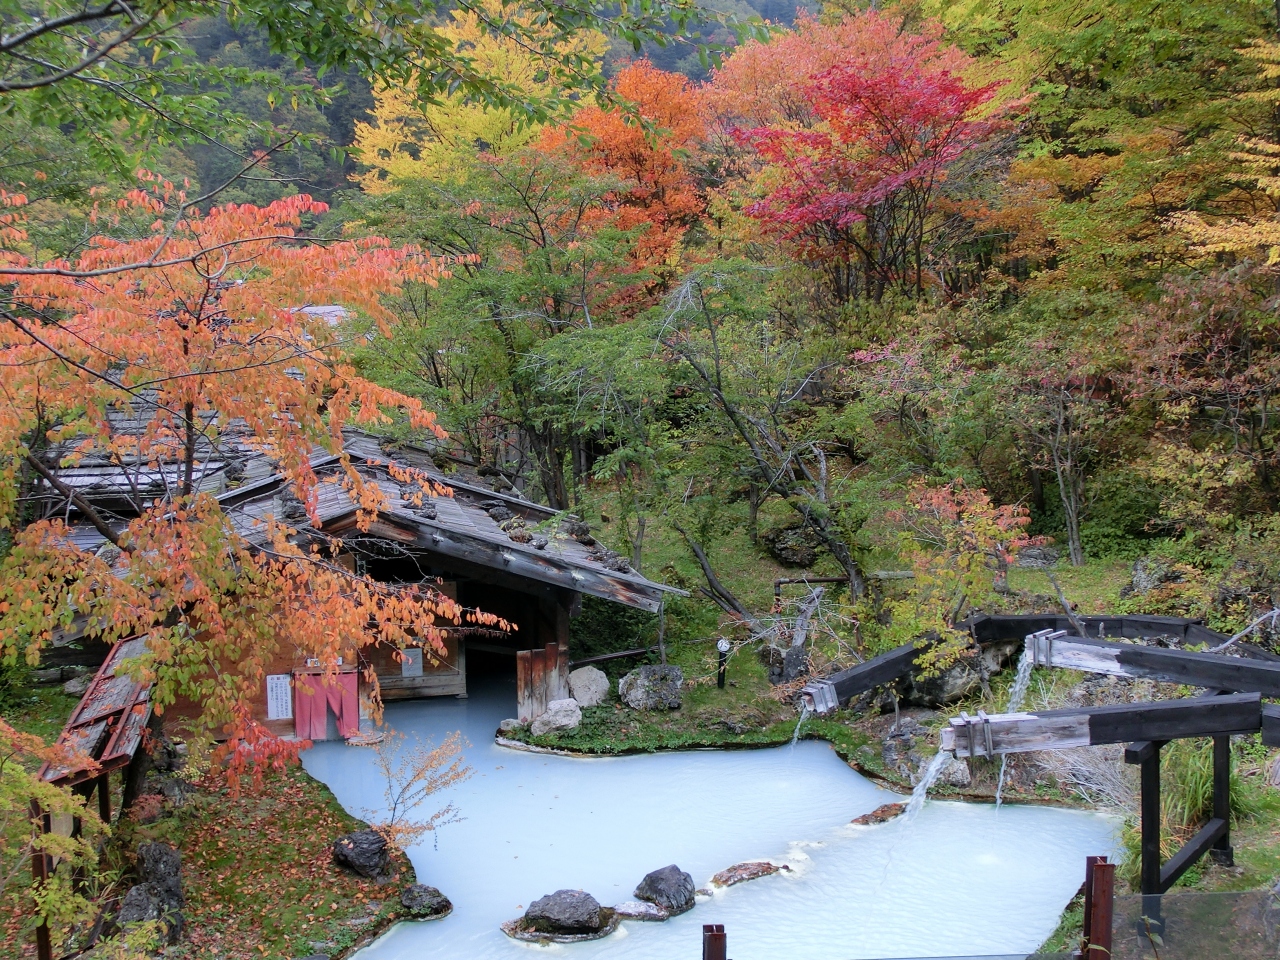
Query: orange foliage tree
point(193, 327)
point(644, 148)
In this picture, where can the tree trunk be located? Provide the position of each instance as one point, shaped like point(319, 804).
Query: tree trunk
point(637, 544)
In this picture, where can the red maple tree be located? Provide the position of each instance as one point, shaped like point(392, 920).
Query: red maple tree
point(192, 326)
point(855, 183)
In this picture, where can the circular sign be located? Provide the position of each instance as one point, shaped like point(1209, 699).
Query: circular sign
point(723, 645)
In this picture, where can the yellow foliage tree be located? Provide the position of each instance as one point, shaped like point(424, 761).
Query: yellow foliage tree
point(409, 139)
point(1251, 228)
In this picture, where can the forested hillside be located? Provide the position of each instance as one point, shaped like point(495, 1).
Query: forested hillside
point(862, 268)
point(912, 297)
point(870, 267)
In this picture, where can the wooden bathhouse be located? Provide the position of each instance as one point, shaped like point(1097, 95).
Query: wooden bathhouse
point(490, 550)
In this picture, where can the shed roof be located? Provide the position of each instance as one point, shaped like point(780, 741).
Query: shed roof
point(473, 525)
point(106, 726)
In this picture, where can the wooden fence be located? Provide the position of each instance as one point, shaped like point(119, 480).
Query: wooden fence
point(541, 676)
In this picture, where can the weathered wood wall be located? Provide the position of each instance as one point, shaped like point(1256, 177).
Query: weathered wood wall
point(542, 675)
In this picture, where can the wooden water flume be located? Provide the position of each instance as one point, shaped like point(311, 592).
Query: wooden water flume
point(1146, 727)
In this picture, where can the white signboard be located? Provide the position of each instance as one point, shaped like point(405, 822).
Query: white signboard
point(411, 665)
point(279, 697)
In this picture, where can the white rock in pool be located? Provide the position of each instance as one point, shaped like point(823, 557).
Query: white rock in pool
point(640, 910)
point(560, 715)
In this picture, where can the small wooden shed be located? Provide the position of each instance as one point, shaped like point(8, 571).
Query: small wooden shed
point(490, 550)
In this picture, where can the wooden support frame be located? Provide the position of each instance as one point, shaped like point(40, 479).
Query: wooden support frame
point(1147, 727)
point(1236, 674)
point(985, 736)
point(1213, 838)
point(821, 696)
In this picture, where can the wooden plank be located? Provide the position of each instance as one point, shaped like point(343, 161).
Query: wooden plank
point(110, 696)
point(557, 672)
point(80, 743)
point(991, 628)
point(1174, 719)
point(1271, 724)
point(524, 698)
point(537, 683)
point(1195, 848)
point(1017, 733)
point(128, 735)
point(1121, 723)
point(875, 672)
point(1170, 666)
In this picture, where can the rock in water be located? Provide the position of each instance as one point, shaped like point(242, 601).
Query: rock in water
point(589, 686)
point(363, 852)
point(560, 715)
point(640, 910)
point(670, 888)
point(742, 872)
point(161, 866)
point(652, 688)
point(425, 903)
point(509, 726)
point(565, 911)
point(881, 814)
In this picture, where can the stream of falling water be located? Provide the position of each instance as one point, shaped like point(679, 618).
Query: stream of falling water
point(804, 715)
point(1017, 694)
point(927, 780)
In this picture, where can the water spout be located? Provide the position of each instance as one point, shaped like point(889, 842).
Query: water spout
point(1018, 693)
point(804, 715)
point(927, 780)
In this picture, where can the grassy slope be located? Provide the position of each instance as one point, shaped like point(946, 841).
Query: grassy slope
point(258, 874)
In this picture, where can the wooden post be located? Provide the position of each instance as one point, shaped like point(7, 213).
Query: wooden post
point(714, 944)
point(1222, 853)
point(1089, 864)
point(538, 682)
point(39, 873)
point(104, 798)
point(1147, 754)
point(1098, 917)
point(524, 691)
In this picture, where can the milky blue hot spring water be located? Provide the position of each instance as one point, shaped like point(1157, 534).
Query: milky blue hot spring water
point(959, 879)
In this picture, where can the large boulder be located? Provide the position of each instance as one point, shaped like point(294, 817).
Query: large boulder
point(1147, 574)
point(961, 678)
point(425, 903)
point(146, 901)
point(793, 546)
point(565, 911)
point(363, 852)
point(161, 865)
point(652, 688)
point(589, 686)
point(670, 888)
point(560, 715)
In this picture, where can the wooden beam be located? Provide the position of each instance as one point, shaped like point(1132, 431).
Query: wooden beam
point(1208, 835)
point(989, 628)
point(1061, 729)
point(1157, 663)
point(876, 672)
point(1271, 724)
point(513, 559)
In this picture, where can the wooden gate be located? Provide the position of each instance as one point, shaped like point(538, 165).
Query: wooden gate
point(541, 676)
